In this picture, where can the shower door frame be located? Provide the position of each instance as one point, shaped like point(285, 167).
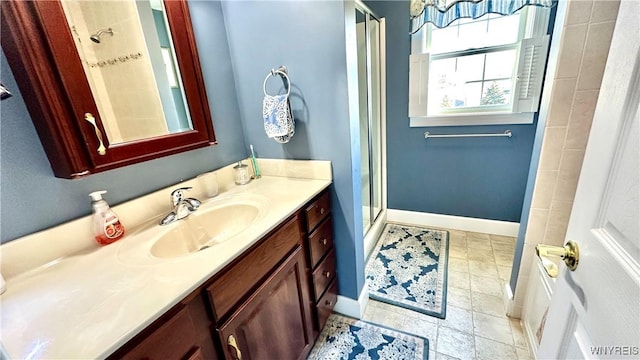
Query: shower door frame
point(375, 218)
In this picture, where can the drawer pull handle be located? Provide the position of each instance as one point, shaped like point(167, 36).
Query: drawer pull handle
point(231, 341)
point(327, 303)
point(102, 150)
point(321, 211)
point(324, 241)
point(327, 274)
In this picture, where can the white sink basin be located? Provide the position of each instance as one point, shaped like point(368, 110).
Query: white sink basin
point(217, 221)
point(202, 230)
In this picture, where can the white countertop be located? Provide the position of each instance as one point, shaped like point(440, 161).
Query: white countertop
point(89, 305)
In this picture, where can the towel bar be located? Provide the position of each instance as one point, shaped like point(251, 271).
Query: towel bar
point(282, 71)
point(506, 133)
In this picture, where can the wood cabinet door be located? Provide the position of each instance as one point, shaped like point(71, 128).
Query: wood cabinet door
point(274, 323)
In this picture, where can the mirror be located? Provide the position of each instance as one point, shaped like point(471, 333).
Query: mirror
point(129, 60)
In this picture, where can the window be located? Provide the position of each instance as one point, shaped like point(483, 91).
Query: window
point(479, 71)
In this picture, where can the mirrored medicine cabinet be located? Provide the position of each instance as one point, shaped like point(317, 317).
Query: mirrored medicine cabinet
point(108, 83)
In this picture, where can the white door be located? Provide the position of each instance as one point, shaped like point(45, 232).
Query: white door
point(595, 310)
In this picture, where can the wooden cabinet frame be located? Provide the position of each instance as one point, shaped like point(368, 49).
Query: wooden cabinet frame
point(45, 62)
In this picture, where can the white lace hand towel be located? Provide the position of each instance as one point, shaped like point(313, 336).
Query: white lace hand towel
point(278, 118)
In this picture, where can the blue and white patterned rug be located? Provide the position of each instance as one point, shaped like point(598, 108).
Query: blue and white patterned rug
point(345, 338)
point(408, 268)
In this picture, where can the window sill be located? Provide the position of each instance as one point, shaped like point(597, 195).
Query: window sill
point(472, 119)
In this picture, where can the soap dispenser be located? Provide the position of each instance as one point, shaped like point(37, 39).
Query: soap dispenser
point(106, 224)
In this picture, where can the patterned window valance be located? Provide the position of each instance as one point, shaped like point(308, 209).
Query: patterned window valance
point(443, 12)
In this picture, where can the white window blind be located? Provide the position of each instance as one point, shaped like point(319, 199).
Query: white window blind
point(533, 56)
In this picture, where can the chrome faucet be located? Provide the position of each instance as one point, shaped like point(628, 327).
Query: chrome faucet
point(182, 206)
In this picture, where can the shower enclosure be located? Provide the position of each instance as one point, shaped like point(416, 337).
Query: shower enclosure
point(370, 90)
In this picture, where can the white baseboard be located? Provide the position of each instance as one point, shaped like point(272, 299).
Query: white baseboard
point(353, 308)
point(513, 311)
point(495, 227)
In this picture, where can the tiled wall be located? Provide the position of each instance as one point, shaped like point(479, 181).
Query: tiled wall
point(130, 109)
point(583, 53)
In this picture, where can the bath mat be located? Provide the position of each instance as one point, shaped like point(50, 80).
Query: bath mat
point(345, 338)
point(408, 268)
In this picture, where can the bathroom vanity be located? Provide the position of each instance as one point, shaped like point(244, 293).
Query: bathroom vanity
point(258, 307)
point(263, 293)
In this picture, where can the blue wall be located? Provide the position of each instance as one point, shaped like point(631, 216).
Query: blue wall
point(33, 199)
point(261, 35)
point(526, 207)
point(309, 38)
point(481, 178)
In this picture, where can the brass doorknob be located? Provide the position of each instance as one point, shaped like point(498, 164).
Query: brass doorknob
point(569, 253)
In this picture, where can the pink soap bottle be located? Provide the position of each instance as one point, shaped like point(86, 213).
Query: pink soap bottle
point(106, 224)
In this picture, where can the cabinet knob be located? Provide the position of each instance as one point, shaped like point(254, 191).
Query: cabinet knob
point(321, 211)
point(231, 341)
point(323, 241)
point(327, 274)
point(328, 303)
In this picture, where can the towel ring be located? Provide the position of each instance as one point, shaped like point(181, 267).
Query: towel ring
point(274, 73)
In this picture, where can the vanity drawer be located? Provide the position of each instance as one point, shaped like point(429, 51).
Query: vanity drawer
point(317, 211)
point(327, 303)
point(323, 275)
point(242, 276)
point(320, 241)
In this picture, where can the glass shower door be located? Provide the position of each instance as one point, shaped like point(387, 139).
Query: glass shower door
point(368, 39)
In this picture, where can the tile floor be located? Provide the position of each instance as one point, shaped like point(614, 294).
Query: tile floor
point(476, 326)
